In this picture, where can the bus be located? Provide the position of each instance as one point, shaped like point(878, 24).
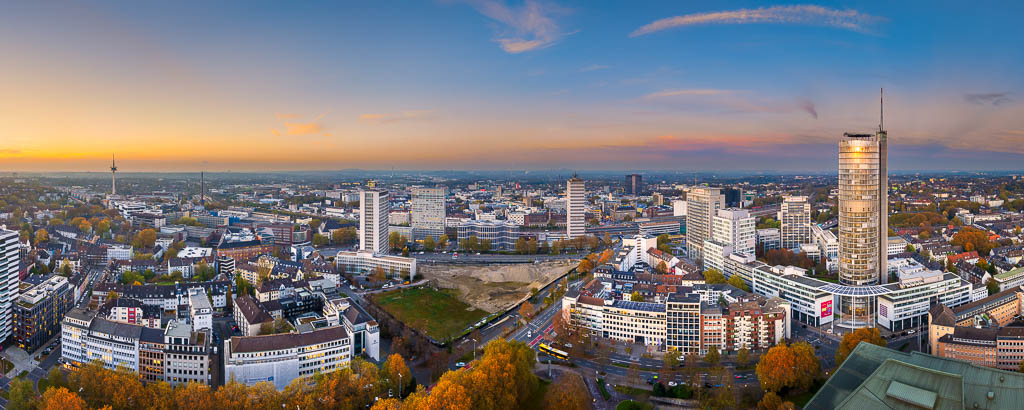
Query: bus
point(554, 351)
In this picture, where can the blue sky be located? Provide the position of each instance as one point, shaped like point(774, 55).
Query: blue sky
point(520, 85)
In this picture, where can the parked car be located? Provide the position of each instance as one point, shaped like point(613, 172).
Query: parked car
point(674, 384)
point(460, 364)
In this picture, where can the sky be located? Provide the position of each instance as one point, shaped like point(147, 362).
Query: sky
point(492, 84)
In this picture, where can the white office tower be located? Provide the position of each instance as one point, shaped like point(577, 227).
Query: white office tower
point(575, 207)
point(374, 206)
point(428, 212)
point(795, 217)
point(732, 231)
point(702, 204)
point(8, 280)
point(863, 224)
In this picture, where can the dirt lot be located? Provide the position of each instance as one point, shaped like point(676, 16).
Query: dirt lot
point(493, 287)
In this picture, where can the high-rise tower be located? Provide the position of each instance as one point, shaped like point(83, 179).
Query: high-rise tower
point(374, 207)
point(575, 207)
point(702, 204)
point(428, 212)
point(863, 222)
point(795, 219)
point(113, 176)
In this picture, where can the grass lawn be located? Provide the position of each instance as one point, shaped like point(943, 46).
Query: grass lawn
point(633, 391)
point(439, 313)
point(633, 405)
point(23, 373)
point(603, 389)
point(536, 400)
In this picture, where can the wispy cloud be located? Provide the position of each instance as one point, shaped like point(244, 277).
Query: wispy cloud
point(687, 92)
point(594, 67)
point(736, 101)
point(396, 117)
point(300, 128)
point(988, 98)
point(808, 106)
point(527, 27)
point(800, 14)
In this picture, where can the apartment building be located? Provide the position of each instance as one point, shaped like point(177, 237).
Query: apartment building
point(281, 358)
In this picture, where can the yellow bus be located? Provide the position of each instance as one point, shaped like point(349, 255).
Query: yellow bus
point(553, 351)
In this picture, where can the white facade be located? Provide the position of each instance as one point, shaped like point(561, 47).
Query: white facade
point(702, 204)
point(374, 207)
point(828, 245)
point(8, 280)
point(576, 207)
point(200, 311)
point(678, 207)
point(795, 218)
point(428, 212)
point(362, 263)
point(896, 245)
point(281, 358)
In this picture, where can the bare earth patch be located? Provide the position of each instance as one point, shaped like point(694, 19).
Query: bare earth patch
point(494, 287)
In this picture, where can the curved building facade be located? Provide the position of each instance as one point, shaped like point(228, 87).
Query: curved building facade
point(863, 222)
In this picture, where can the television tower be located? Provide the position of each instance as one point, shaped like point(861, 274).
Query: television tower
point(113, 176)
point(202, 189)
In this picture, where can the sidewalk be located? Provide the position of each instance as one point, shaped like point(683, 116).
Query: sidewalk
point(21, 359)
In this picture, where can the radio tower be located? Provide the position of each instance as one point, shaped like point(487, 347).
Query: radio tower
point(113, 176)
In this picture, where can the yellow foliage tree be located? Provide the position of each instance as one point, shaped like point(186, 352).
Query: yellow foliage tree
point(852, 339)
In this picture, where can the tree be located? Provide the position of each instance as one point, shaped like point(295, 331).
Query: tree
point(378, 275)
point(770, 401)
point(397, 241)
point(742, 357)
point(522, 246)
point(428, 244)
point(568, 392)
point(267, 328)
point(992, 285)
point(713, 276)
point(146, 238)
point(662, 267)
point(405, 252)
point(788, 366)
point(42, 236)
point(320, 240)
point(585, 266)
point(526, 310)
point(22, 394)
point(60, 399)
point(396, 373)
point(852, 339)
point(737, 282)
point(345, 236)
point(442, 242)
point(712, 357)
point(976, 238)
point(636, 296)
point(55, 378)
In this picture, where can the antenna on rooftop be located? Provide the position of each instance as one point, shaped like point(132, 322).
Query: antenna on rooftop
point(881, 107)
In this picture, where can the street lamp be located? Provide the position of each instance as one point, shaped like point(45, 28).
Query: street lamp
point(474, 348)
point(399, 385)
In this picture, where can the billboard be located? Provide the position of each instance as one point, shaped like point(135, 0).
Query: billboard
point(826, 308)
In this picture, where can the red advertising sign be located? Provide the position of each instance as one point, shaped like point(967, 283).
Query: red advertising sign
point(826, 308)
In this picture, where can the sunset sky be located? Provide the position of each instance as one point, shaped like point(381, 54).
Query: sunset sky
point(490, 84)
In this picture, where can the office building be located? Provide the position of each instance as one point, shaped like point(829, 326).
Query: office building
point(39, 310)
point(575, 207)
point(281, 358)
point(702, 204)
point(795, 220)
point(828, 246)
point(501, 234)
point(634, 184)
point(363, 263)
point(374, 207)
point(863, 223)
point(9, 260)
point(428, 212)
point(732, 231)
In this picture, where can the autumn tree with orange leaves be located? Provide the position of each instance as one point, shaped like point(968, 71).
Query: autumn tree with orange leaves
point(568, 392)
point(852, 339)
point(61, 399)
point(794, 366)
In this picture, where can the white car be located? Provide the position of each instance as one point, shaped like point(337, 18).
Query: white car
point(672, 384)
point(911, 331)
point(460, 364)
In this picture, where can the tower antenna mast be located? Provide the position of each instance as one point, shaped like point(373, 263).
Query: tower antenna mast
point(881, 109)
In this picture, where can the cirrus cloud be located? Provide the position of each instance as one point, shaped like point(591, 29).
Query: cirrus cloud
point(527, 28)
point(800, 14)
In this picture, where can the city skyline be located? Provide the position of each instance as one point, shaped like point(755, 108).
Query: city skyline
point(506, 85)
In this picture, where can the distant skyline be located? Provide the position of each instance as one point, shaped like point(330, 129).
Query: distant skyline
point(489, 84)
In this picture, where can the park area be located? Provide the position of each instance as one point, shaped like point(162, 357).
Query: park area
point(438, 313)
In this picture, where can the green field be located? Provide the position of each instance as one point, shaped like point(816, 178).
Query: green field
point(438, 313)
